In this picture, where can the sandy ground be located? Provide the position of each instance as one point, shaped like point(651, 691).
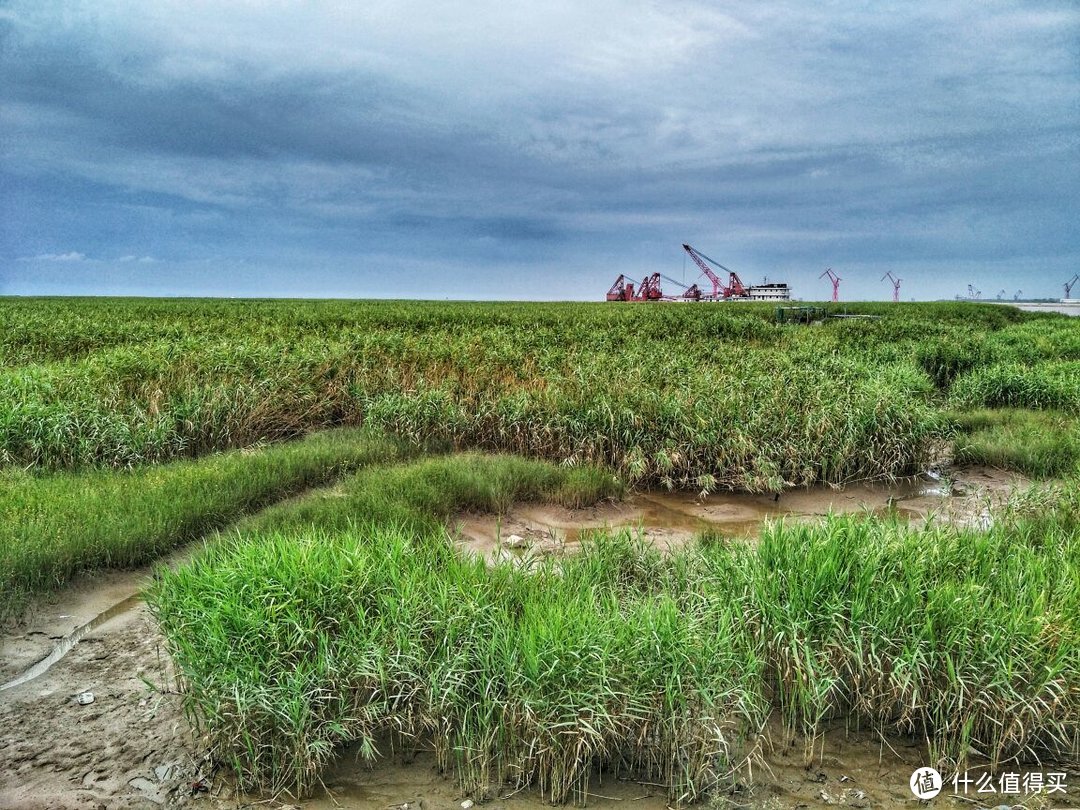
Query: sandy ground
point(133, 748)
point(846, 767)
point(782, 779)
point(130, 748)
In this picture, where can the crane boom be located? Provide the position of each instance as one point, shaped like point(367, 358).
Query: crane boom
point(649, 289)
point(691, 293)
point(835, 279)
point(617, 292)
point(895, 285)
point(622, 289)
point(734, 286)
point(700, 262)
point(1069, 285)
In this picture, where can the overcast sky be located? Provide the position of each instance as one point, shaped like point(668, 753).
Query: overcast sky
point(494, 149)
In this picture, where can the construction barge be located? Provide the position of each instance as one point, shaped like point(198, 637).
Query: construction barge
point(649, 289)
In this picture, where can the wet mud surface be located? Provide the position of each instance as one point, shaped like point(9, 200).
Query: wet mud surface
point(843, 768)
point(129, 748)
point(671, 519)
point(132, 747)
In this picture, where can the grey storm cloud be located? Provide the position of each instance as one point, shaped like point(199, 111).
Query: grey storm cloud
point(468, 149)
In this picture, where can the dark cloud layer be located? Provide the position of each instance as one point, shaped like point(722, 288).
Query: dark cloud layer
point(482, 150)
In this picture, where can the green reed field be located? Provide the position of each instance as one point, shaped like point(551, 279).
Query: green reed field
point(700, 396)
point(316, 617)
point(57, 525)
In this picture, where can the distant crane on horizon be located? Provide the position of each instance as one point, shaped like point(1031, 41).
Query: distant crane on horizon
point(1069, 285)
point(1016, 296)
point(973, 293)
point(835, 279)
point(1001, 294)
point(895, 285)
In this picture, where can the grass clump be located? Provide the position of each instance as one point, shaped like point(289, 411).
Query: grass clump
point(513, 677)
point(422, 495)
point(944, 360)
point(967, 639)
point(1050, 384)
point(296, 635)
point(58, 525)
point(1041, 444)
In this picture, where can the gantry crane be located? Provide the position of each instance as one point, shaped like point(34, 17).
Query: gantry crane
point(649, 289)
point(626, 289)
point(622, 289)
point(691, 293)
point(1069, 285)
point(895, 286)
point(835, 279)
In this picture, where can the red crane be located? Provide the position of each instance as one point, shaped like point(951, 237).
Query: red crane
point(626, 289)
point(734, 287)
point(835, 279)
point(1069, 285)
point(621, 290)
point(691, 293)
point(649, 289)
point(895, 286)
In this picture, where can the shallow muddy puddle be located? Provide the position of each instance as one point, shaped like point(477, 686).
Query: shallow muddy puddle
point(61, 620)
point(83, 610)
point(671, 519)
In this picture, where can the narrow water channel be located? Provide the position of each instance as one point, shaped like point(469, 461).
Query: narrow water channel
point(671, 519)
point(65, 645)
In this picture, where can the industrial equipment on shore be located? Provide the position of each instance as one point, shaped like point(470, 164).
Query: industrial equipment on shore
point(835, 279)
point(649, 289)
point(895, 285)
point(1069, 287)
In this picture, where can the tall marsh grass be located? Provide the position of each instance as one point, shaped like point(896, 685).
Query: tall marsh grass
point(57, 525)
point(1040, 444)
point(1043, 385)
point(294, 639)
point(703, 397)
